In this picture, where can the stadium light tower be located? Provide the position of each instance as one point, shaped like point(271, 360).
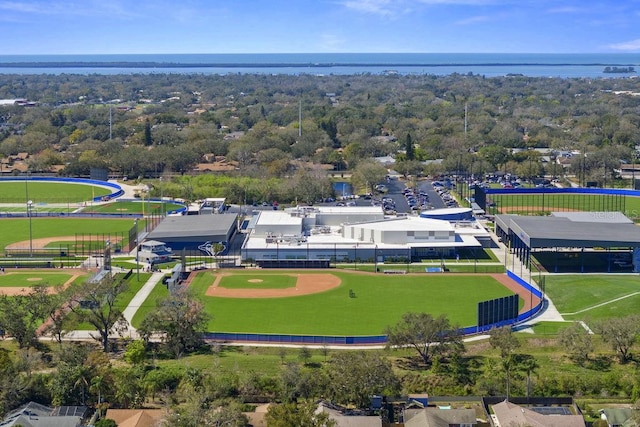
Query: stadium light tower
point(29, 208)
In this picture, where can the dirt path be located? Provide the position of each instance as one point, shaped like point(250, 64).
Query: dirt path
point(530, 300)
point(44, 241)
point(40, 243)
point(305, 284)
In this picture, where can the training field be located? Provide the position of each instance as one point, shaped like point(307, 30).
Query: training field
point(48, 192)
point(337, 302)
point(536, 204)
point(594, 297)
point(17, 282)
point(14, 230)
point(129, 207)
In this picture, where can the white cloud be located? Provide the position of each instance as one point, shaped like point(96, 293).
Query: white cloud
point(399, 7)
point(79, 8)
point(628, 45)
point(377, 7)
point(473, 20)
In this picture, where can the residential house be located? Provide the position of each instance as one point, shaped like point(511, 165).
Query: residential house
point(436, 417)
point(506, 413)
point(136, 417)
point(618, 417)
point(36, 415)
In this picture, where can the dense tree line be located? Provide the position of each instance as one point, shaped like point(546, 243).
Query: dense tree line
point(174, 120)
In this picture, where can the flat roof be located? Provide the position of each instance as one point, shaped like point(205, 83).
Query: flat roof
point(193, 225)
point(562, 231)
point(407, 224)
point(600, 217)
point(349, 210)
point(277, 218)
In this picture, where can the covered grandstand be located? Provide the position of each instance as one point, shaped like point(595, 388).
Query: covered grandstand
point(573, 241)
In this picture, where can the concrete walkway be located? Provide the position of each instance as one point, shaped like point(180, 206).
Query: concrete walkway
point(139, 298)
point(549, 312)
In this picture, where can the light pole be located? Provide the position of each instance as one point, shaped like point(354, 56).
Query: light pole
point(29, 208)
point(162, 196)
point(135, 224)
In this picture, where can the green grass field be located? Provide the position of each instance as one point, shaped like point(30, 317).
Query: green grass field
point(128, 207)
point(48, 192)
point(17, 229)
point(593, 297)
point(34, 278)
point(380, 300)
point(518, 203)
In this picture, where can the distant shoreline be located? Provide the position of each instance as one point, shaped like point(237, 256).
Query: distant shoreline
point(146, 64)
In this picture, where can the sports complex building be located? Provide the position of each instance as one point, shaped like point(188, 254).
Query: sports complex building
point(357, 233)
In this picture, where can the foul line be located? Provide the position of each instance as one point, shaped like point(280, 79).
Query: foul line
point(601, 304)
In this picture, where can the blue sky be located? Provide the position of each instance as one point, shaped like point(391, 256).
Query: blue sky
point(277, 26)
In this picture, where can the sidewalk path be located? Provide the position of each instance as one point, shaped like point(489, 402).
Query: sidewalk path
point(139, 298)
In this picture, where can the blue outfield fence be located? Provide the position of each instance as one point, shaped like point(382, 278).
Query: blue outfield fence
point(579, 190)
point(297, 339)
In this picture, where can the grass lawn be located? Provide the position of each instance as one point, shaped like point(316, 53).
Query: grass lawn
point(34, 278)
point(128, 207)
point(549, 328)
point(243, 281)
point(582, 295)
point(159, 291)
point(17, 229)
point(48, 192)
point(380, 300)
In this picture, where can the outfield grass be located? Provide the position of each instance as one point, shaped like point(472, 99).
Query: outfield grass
point(17, 229)
point(48, 192)
point(34, 278)
point(518, 203)
point(129, 207)
point(581, 294)
point(380, 300)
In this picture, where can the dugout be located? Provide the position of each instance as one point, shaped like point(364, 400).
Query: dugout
point(573, 241)
point(198, 234)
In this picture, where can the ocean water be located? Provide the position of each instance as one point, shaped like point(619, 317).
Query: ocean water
point(490, 65)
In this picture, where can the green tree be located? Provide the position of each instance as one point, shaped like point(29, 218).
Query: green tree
point(409, 149)
point(148, 139)
point(136, 352)
point(620, 333)
point(297, 414)
point(105, 422)
point(20, 315)
point(95, 303)
point(181, 320)
point(424, 333)
point(577, 342)
point(367, 174)
point(356, 376)
point(505, 341)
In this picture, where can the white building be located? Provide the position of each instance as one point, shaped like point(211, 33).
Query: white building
point(354, 233)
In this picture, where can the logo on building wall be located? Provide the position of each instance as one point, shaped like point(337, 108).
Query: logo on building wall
point(212, 248)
